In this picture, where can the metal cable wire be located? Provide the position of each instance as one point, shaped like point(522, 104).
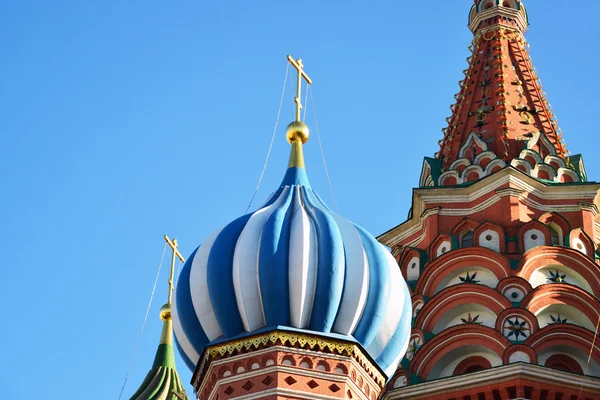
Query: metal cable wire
point(287, 70)
point(587, 365)
point(144, 324)
point(312, 100)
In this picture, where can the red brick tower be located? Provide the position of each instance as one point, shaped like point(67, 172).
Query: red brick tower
point(500, 248)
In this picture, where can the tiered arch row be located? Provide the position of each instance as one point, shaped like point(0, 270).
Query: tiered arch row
point(485, 295)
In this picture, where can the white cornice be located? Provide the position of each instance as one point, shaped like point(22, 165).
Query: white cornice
point(520, 185)
point(490, 377)
point(499, 11)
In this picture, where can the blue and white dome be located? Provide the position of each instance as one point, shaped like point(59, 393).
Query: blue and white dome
point(293, 264)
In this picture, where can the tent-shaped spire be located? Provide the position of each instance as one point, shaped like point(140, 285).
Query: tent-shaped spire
point(501, 116)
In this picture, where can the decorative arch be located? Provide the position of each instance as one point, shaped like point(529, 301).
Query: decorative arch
point(472, 173)
point(417, 304)
point(268, 360)
point(481, 257)
point(581, 241)
point(473, 141)
point(558, 223)
point(484, 158)
point(340, 369)
point(567, 175)
point(288, 360)
point(531, 156)
point(544, 171)
point(425, 179)
point(510, 4)
point(411, 264)
point(494, 166)
point(472, 364)
point(455, 296)
point(440, 246)
point(560, 335)
point(323, 365)
point(449, 178)
point(541, 144)
point(555, 162)
point(517, 353)
point(549, 255)
point(453, 338)
point(514, 288)
point(520, 312)
point(224, 372)
point(522, 165)
point(563, 294)
point(491, 236)
point(400, 379)
point(466, 224)
point(239, 367)
point(306, 362)
point(417, 338)
point(252, 364)
point(533, 234)
point(564, 362)
point(459, 164)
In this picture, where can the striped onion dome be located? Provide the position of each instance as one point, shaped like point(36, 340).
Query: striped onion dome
point(293, 264)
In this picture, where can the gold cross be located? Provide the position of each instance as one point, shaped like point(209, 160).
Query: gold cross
point(173, 244)
point(301, 74)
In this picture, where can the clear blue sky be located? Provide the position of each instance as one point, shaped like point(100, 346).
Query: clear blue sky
point(125, 120)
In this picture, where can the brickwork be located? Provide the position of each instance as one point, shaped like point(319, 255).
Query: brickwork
point(277, 371)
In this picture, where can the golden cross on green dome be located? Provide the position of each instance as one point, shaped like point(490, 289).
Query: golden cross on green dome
point(301, 74)
point(173, 244)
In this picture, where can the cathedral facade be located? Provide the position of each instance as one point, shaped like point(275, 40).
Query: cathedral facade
point(490, 291)
point(500, 248)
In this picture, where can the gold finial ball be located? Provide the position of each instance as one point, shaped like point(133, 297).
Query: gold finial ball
point(165, 312)
point(297, 130)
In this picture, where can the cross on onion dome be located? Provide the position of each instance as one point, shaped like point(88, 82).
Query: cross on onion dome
point(301, 74)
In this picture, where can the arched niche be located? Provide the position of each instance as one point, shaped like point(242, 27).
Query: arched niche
point(413, 269)
point(533, 238)
point(557, 273)
point(563, 313)
point(558, 225)
point(476, 314)
point(574, 354)
point(446, 366)
point(556, 235)
point(439, 270)
point(474, 274)
point(564, 257)
point(440, 246)
point(581, 242)
point(454, 302)
point(534, 234)
point(432, 360)
point(489, 239)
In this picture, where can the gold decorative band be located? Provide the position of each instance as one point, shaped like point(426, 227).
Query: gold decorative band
point(296, 340)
